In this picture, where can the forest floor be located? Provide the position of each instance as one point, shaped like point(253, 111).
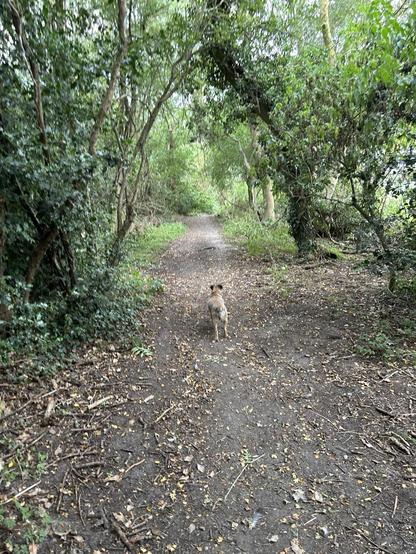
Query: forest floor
point(283, 438)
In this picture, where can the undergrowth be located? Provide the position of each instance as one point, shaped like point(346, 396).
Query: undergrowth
point(391, 341)
point(259, 239)
point(103, 305)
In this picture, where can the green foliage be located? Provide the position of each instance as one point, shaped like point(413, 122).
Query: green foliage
point(146, 245)
point(104, 304)
point(392, 341)
point(190, 199)
point(141, 350)
point(24, 525)
point(177, 165)
point(258, 239)
point(337, 219)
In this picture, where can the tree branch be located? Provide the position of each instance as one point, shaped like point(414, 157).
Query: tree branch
point(114, 75)
point(33, 68)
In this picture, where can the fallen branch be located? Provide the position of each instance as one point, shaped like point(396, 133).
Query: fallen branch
point(38, 397)
point(132, 466)
point(73, 455)
point(89, 464)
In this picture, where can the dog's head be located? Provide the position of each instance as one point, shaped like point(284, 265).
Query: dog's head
point(216, 289)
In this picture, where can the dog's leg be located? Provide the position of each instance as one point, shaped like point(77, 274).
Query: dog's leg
point(226, 327)
point(215, 330)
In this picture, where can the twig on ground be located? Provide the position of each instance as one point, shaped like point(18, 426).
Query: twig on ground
point(364, 536)
point(387, 377)
point(121, 535)
point(162, 415)
point(326, 419)
point(395, 506)
point(25, 446)
point(132, 466)
point(99, 402)
point(78, 496)
point(400, 444)
point(23, 406)
point(61, 490)
point(384, 412)
point(89, 464)
point(21, 493)
point(241, 473)
point(73, 455)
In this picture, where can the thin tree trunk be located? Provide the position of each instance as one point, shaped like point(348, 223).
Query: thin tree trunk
point(326, 30)
point(114, 256)
point(269, 214)
point(114, 75)
point(378, 229)
point(37, 257)
point(33, 68)
point(251, 193)
point(70, 258)
point(139, 149)
point(4, 311)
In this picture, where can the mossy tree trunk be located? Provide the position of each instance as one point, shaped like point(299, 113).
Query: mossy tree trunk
point(300, 221)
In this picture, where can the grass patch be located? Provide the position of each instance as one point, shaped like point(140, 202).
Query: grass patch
point(145, 247)
point(330, 251)
point(260, 239)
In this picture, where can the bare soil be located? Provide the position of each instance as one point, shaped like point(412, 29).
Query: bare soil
point(281, 439)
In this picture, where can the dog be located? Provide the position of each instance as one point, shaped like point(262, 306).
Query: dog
point(217, 310)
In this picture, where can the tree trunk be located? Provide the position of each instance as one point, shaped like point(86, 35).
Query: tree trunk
point(4, 311)
point(326, 30)
point(70, 258)
point(37, 256)
point(368, 214)
point(300, 221)
point(33, 69)
point(114, 256)
point(267, 187)
point(115, 72)
point(251, 193)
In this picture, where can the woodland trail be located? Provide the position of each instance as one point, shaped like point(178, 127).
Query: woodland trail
point(268, 442)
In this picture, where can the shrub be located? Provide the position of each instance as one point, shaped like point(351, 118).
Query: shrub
point(335, 220)
point(189, 198)
point(104, 304)
point(260, 239)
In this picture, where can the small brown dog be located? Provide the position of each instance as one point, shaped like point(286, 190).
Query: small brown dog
point(217, 310)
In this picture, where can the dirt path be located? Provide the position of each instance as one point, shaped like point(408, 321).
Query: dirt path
point(269, 442)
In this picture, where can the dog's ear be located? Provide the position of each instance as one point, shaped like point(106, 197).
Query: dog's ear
point(212, 287)
point(219, 286)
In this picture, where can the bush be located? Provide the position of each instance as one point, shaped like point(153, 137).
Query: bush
point(104, 304)
point(189, 199)
point(260, 239)
point(335, 220)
